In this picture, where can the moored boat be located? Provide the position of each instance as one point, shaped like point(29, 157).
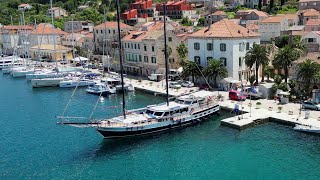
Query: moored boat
point(307, 128)
point(100, 88)
point(46, 82)
point(80, 82)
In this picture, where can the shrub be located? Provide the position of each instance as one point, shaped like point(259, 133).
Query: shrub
point(277, 79)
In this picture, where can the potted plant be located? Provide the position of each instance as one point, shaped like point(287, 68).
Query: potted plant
point(258, 105)
point(279, 109)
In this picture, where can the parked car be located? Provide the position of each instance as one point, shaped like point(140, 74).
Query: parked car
point(186, 84)
point(236, 95)
point(174, 85)
point(252, 92)
point(311, 105)
point(155, 77)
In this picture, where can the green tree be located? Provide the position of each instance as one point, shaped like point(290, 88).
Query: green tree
point(186, 22)
point(271, 6)
point(269, 71)
point(284, 58)
point(260, 5)
point(182, 52)
point(201, 21)
point(215, 70)
point(307, 73)
point(277, 79)
point(257, 55)
point(190, 68)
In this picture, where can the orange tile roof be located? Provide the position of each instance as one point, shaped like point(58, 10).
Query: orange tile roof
point(143, 34)
point(307, 1)
point(259, 13)
point(45, 29)
point(23, 5)
point(113, 25)
point(273, 19)
point(311, 12)
point(299, 33)
point(313, 22)
point(291, 16)
point(218, 13)
point(225, 29)
point(252, 26)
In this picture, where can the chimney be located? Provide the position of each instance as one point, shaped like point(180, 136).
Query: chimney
point(209, 19)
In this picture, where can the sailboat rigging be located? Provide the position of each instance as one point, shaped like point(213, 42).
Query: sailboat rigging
point(186, 110)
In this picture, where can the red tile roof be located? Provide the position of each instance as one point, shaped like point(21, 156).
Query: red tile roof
point(219, 13)
point(113, 25)
point(273, 19)
point(225, 29)
point(311, 12)
point(313, 22)
point(46, 29)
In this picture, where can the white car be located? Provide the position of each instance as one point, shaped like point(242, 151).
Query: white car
point(174, 85)
point(311, 105)
point(187, 84)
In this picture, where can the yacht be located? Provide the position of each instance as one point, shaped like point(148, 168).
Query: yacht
point(46, 82)
point(100, 88)
point(307, 128)
point(116, 82)
point(184, 111)
point(74, 82)
point(44, 73)
point(9, 62)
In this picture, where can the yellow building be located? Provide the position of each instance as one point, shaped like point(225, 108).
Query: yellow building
point(48, 52)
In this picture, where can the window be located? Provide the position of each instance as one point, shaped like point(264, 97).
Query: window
point(114, 31)
point(224, 61)
point(135, 46)
point(197, 60)
point(146, 59)
point(170, 39)
point(109, 31)
point(97, 31)
point(223, 47)
point(138, 46)
point(131, 46)
point(209, 59)
point(209, 46)
point(145, 48)
point(171, 60)
point(153, 60)
point(152, 48)
point(140, 58)
point(196, 46)
point(240, 61)
point(248, 46)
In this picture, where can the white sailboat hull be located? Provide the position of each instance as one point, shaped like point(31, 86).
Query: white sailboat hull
point(43, 76)
point(16, 74)
point(71, 83)
point(47, 82)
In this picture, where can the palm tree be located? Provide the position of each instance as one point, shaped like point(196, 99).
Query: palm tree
point(269, 71)
point(215, 70)
point(190, 68)
point(257, 55)
point(307, 72)
point(182, 52)
point(284, 58)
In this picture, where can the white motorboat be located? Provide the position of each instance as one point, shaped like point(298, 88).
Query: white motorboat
point(100, 88)
point(307, 128)
point(10, 61)
point(76, 82)
point(116, 82)
point(46, 82)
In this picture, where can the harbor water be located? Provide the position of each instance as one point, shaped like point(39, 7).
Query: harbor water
point(32, 145)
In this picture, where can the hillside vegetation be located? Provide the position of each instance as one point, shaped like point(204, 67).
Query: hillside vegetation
point(94, 13)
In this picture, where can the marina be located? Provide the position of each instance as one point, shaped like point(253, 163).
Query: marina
point(47, 150)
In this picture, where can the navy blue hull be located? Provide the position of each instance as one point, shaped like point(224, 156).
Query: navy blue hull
point(129, 133)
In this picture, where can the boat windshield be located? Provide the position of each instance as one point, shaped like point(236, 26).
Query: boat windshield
point(149, 112)
point(158, 113)
point(188, 102)
point(179, 101)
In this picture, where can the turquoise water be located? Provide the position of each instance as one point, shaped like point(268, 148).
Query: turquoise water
point(33, 146)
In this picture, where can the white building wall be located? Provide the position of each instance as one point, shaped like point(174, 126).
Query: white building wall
point(232, 53)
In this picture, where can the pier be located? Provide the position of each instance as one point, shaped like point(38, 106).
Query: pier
point(245, 119)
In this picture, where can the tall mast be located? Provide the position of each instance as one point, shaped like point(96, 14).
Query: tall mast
point(105, 37)
point(165, 50)
point(54, 38)
point(120, 58)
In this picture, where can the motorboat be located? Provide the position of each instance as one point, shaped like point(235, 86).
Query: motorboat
point(116, 82)
point(44, 73)
point(46, 82)
point(100, 88)
point(74, 82)
point(307, 128)
point(10, 61)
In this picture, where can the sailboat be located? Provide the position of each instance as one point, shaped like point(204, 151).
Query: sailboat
point(54, 78)
point(184, 111)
